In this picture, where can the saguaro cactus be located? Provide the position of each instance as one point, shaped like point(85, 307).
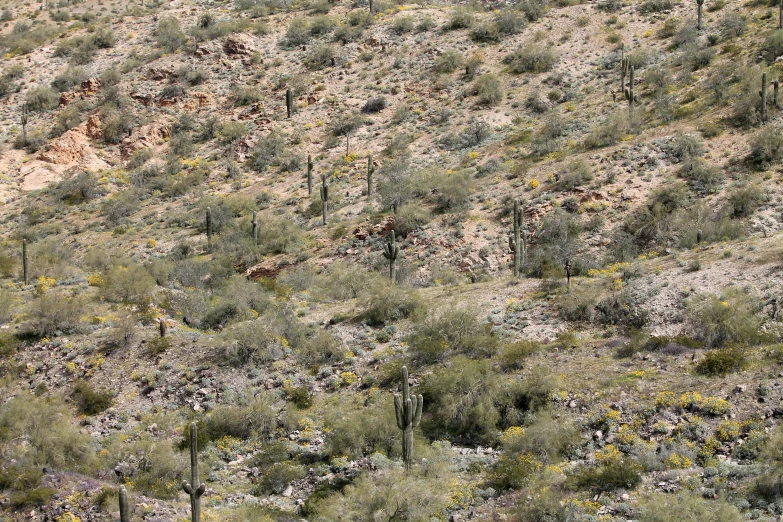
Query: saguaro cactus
point(208, 222)
point(324, 196)
point(629, 95)
point(390, 251)
point(124, 510)
point(195, 489)
point(371, 7)
point(517, 241)
point(625, 63)
point(763, 94)
point(24, 122)
point(254, 224)
point(370, 172)
point(699, 3)
point(309, 175)
point(408, 409)
point(25, 274)
point(162, 327)
point(775, 92)
point(780, 15)
point(289, 101)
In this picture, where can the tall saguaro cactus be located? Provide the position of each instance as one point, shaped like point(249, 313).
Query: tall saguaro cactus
point(25, 273)
point(625, 63)
point(309, 175)
point(124, 510)
point(780, 16)
point(208, 222)
point(517, 241)
point(195, 489)
point(289, 101)
point(408, 410)
point(254, 224)
point(24, 122)
point(324, 196)
point(390, 251)
point(775, 92)
point(370, 172)
point(763, 94)
point(699, 3)
point(629, 94)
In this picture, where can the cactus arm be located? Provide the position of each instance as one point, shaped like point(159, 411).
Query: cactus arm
point(124, 511)
point(417, 413)
point(398, 411)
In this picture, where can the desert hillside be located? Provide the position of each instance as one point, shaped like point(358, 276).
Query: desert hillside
point(248, 219)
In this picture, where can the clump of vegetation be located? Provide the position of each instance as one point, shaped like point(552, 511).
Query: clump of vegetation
point(534, 58)
point(89, 400)
point(728, 318)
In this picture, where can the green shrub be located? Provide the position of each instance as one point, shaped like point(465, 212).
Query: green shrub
point(743, 200)
point(300, 396)
point(297, 33)
point(359, 428)
point(448, 62)
point(345, 124)
point(41, 98)
point(169, 35)
point(487, 88)
point(573, 174)
point(384, 303)
point(772, 46)
point(68, 79)
point(656, 6)
point(608, 133)
point(545, 437)
point(460, 402)
point(50, 440)
point(386, 495)
point(131, 284)
point(728, 318)
point(534, 58)
point(244, 95)
point(153, 466)
point(509, 21)
point(342, 280)
point(702, 176)
point(77, 188)
point(266, 151)
point(321, 25)
point(766, 146)
point(120, 205)
point(721, 362)
point(90, 401)
point(402, 24)
point(67, 118)
point(512, 471)
point(54, 313)
point(662, 507)
point(278, 476)
point(533, 9)
point(410, 218)
point(116, 124)
point(512, 356)
point(34, 497)
point(320, 349)
point(451, 329)
point(607, 476)
point(485, 33)
point(360, 18)
point(459, 18)
point(685, 146)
